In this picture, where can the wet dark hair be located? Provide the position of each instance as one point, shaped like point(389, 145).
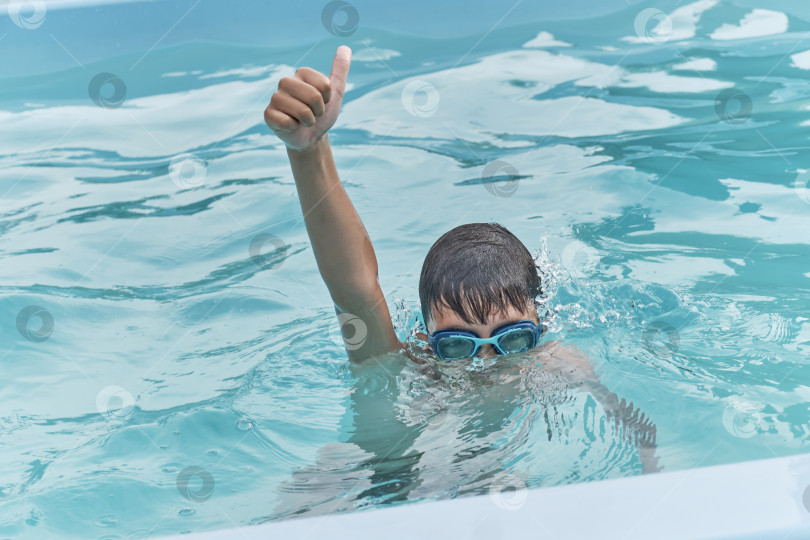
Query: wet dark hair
point(477, 270)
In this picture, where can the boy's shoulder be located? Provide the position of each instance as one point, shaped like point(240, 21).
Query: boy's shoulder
point(417, 349)
point(566, 361)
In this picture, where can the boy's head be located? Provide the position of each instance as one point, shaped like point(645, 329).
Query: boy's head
point(478, 276)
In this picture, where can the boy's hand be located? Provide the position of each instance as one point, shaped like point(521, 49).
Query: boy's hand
point(307, 104)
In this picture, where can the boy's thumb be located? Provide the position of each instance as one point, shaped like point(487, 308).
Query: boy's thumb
point(340, 69)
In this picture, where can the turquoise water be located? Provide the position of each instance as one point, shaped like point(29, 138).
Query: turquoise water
point(171, 358)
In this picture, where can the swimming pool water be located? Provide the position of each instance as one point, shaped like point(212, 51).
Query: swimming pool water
point(172, 361)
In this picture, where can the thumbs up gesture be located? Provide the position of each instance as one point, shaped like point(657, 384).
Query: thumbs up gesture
point(306, 105)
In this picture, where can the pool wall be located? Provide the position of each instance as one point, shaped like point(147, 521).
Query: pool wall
point(764, 499)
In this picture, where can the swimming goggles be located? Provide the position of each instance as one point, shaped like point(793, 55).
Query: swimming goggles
point(509, 338)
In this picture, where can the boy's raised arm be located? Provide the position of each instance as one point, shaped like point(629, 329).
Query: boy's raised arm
point(300, 113)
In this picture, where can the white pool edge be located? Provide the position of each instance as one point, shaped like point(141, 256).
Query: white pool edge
point(748, 500)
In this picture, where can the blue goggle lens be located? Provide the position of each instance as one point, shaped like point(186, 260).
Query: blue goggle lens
point(517, 341)
point(453, 347)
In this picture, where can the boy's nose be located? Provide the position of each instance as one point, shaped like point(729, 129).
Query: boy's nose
point(487, 351)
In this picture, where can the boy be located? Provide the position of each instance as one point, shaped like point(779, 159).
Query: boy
point(478, 283)
point(300, 113)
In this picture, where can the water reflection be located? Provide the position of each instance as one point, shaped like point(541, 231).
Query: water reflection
point(425, 429)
